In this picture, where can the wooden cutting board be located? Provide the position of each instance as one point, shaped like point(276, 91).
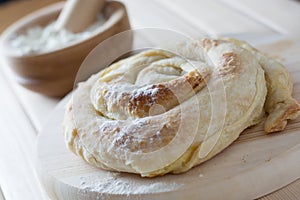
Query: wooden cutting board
point(254, 165)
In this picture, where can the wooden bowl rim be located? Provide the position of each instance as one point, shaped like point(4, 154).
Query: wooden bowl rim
point(113, 19)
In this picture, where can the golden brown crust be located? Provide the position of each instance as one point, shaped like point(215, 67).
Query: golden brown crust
point(167, 95)
point(278, 118)
point(157, 118)
point(280, 105)
point(208, 43)
point(229, 64)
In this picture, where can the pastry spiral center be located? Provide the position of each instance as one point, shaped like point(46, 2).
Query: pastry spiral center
point(154, 83)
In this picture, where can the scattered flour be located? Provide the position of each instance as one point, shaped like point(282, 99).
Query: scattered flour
point(42, 39)
point(146, 91)
point(119, 185)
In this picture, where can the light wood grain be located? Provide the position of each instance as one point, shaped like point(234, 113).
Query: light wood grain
point(261, 162)
point(36, 107)
point(1, 195)
point(279, 15)
point(290, 192)
point(142, 13)
point(213, 17)
point(17, 149)
point(258, 161)
point(147, 14)
point(287, 52)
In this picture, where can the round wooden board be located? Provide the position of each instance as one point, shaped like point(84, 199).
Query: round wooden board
point(256, 164)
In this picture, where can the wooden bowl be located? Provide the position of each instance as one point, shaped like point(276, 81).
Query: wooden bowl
point(53, 72)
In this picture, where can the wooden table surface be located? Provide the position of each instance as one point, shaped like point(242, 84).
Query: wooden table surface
point(23, 112)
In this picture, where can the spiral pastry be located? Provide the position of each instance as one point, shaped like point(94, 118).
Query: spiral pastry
point(161, 112)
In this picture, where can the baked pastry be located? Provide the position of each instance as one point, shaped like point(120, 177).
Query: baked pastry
point(160, 112)
point(280, 105)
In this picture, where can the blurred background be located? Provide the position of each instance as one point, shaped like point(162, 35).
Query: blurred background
point(273, 26)
point(12, 10)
